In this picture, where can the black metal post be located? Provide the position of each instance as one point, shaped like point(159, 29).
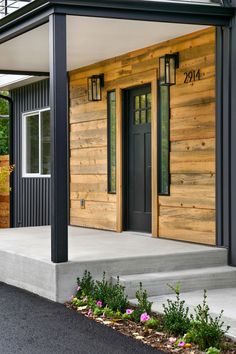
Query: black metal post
point(232, 156)
point(222, 136)
point(5, 12)
point(59, 138)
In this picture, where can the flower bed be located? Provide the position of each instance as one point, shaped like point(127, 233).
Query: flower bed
point(174, 331)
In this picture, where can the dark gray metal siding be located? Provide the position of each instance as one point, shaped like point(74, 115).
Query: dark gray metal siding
point(31, 196)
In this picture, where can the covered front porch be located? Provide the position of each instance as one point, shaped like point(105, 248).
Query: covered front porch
point(59, 25)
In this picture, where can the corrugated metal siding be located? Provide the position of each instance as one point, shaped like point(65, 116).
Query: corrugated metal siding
point(31, 195)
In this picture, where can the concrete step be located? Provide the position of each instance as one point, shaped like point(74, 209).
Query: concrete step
point(190, 280)
point(167, 262)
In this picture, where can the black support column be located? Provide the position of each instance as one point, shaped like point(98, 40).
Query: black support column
point(59, 138)
point(232, 156)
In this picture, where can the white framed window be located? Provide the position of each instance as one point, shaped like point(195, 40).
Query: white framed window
point(36, 144)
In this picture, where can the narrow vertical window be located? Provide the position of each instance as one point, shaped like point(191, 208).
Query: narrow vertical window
point(163, 140)
point(111, 134)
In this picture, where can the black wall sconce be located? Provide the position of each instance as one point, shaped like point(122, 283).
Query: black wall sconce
point(167, 69)
point(95, 84)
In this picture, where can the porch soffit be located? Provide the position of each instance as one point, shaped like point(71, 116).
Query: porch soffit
point(89, 40)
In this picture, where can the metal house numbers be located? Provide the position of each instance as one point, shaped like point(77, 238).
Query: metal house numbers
point(191, 76)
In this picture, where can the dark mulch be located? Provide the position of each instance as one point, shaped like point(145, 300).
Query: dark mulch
point(30, 324)
point(149, 337)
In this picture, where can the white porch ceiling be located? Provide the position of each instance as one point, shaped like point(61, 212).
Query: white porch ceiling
point(89, 40)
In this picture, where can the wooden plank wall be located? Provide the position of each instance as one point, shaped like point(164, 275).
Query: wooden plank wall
point(189, 212)
point(4, 198)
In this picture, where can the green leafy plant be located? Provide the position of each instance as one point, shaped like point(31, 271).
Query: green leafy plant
point(101, 290)
point(207, 331)
point(213, 350)
point(108, 312)
point(143, 305)
point(112, 295)
point(176, 319)
point(97, 311)
point(153, 323)
point(78, 302)
point(117, 299)
point(127, 317)
point(85, 285)
point(4, 126)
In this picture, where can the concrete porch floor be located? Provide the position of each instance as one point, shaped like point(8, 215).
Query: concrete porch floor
point(25, 259)
point(90, 244)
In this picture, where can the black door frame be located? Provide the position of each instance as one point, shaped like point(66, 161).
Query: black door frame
point(125, 142)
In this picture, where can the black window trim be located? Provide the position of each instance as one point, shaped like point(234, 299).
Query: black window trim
point(109, 191)
point(159, 137)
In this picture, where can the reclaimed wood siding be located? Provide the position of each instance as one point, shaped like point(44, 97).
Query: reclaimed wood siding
point(189, 212)
point(4, 198)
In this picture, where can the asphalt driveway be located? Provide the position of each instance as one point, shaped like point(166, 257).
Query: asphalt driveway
point(32, 325)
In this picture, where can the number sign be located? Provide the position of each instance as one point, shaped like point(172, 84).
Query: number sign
point(192, 75)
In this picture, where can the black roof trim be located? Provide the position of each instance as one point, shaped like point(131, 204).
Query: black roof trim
point(37, 12)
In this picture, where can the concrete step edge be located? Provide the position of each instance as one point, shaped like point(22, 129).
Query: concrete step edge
point(177, 273)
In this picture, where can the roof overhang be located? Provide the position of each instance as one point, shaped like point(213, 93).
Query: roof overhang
point(27, 29)
point(10, 82)
point(37, 12)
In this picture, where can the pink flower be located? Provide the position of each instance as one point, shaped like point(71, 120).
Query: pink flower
point(129, 311)
point(78, 288)
point(181, 344)
point(99, 303)
point(172, 340)
point(144, 317)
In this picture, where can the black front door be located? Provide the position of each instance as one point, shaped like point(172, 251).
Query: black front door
point(138, 155)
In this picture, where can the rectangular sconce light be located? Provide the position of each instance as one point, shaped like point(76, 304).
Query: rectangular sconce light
point(95, 84)
point(167, 69)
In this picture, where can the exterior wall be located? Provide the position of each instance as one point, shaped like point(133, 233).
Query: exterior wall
point(189, 212)
point(4, 198)
point(31, 195)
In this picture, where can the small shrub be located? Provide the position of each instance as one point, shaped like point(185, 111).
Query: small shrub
point(142, 297)
point(101, 290)
point(112, 295)
point(207, 331)
point(153, 323)
point(176, 315)
point(213, 350)
point(143, 305)
point(117, 300)
point(85, 285)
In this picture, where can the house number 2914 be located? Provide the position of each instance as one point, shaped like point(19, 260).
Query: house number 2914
point(192, 75)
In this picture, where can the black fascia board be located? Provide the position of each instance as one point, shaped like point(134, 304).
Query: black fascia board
point(36, 13)
point(147, 11)
point(24, 20)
